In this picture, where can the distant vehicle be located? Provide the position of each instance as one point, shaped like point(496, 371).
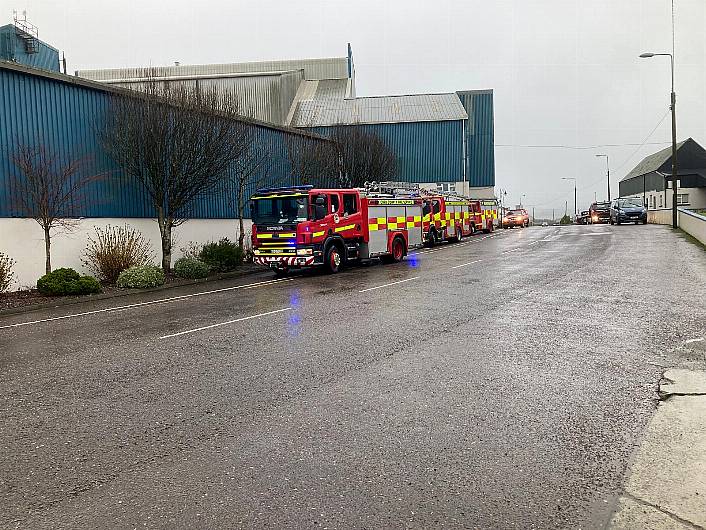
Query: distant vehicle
point(628, 210)
point(513, 218)
point(582, 218)
point(599, 212)
point(545, 223)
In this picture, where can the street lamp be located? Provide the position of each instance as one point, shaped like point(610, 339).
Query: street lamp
point(607, 169)
point(575, 206)
point(674, 137)
point(521, 196)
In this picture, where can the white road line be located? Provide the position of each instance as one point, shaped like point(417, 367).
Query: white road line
point(513, 250)
point(533, 243)
point(467, 264)
point(387, 285)
point(597, 234)
point(140, 304)
point(691, 341)
point(225, 323)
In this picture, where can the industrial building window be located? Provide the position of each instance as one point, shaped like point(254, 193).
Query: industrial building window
point(350, 204)
point(682, 198)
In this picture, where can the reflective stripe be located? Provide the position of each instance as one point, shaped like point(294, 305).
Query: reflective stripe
point(278, 196)
point(343, 228)
point(318, 234)
point(276, 235)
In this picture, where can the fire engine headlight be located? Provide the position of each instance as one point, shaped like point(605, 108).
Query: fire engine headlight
point(595, 218)
point(305, 251)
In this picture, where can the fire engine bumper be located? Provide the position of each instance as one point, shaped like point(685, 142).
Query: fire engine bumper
point(284, 262)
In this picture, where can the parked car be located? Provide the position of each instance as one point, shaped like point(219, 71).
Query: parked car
point(513, 218)
point(628, 210)
point(599, 212)
point(582, 218)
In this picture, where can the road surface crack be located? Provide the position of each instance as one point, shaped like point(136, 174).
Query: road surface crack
point(669, 514)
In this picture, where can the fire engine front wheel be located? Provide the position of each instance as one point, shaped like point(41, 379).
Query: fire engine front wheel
point(334, 259)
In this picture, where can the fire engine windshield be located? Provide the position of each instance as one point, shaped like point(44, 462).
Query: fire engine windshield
point(279, 210)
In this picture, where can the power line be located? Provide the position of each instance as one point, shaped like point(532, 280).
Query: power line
point(644, 142)
point(579, 147)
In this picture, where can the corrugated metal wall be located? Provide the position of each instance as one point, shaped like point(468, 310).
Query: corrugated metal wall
point(13, 49)
point(480, 142)
point(63, 117)
point(426, 151)
point(267, 97)
point(326, 68)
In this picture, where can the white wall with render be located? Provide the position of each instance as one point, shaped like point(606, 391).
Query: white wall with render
point(23, 241)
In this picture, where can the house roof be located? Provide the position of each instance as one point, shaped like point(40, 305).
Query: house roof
point(654, 161)
point(323, 111)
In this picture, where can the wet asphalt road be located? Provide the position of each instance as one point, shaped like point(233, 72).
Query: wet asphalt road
point(503, 382)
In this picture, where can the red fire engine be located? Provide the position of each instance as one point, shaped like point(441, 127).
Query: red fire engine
point(449, 217)
point(301, 226)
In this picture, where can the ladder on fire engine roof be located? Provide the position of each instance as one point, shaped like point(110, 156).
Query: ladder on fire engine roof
point(409, 189)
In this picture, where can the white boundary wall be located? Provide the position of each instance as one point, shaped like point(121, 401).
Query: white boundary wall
point(23, 241)
point(691, 222)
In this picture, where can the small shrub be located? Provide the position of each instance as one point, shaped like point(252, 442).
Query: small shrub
point(566, 220)
point(222, 256)
point(6, 274)
point(190, 268)
point(141, 277)
point(192, 250)
point(114, 249)
point(65, 281)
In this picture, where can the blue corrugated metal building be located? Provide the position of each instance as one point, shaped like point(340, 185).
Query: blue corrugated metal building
point(62, 113)
point(19, 46)
point(438, 138)
point(479, 137)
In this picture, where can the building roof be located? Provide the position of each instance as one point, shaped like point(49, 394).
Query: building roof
point(324, 111)
point(654, 161)
point(116, 89)
point(326, 68)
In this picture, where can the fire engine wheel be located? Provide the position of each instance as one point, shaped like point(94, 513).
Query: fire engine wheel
point(397, 251)
point(432, 238)
point(334, 260)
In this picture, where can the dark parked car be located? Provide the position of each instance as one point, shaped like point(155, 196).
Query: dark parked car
point(628, 210)
point(599, 212)
point(582, 218)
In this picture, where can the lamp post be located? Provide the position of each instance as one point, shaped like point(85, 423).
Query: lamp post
point(575, 204)
point(607, 165)
point(521, 196)
point(674, 137)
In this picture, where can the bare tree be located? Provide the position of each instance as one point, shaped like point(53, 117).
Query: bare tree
point(315, 161)
point(50, 189)
point(179, 142)
point(365, 155)
point(250, 171)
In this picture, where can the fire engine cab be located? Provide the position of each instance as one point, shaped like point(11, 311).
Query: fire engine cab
point(302, 226)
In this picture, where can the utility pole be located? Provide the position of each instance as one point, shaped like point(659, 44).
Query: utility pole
point(673, 107)
point(607, 166)
point(575, 195)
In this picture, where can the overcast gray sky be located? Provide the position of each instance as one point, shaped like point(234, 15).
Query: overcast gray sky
point(565, 72)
